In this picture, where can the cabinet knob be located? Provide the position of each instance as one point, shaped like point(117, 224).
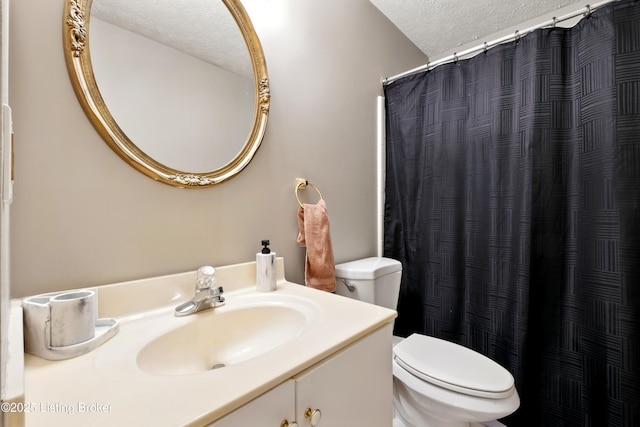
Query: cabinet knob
point(313, 415)
point(286, 423)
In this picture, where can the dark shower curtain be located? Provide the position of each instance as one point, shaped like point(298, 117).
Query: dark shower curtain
point(513, 203)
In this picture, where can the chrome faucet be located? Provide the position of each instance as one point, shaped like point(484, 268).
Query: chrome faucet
point(207, 295)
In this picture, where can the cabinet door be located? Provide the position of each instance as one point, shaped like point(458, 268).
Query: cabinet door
point(353, 388)
point(267, 410)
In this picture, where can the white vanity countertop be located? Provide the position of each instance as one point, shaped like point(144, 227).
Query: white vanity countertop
point(106, 387)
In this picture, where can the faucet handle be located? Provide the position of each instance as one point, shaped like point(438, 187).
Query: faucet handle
point(205, 278)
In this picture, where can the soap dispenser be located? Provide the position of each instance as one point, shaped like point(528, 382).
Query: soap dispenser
point(266, 269)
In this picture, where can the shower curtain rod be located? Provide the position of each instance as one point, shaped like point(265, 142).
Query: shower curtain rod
point(586, 11)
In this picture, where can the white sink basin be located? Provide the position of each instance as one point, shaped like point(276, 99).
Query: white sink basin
point(218, 338)
point(248, 328)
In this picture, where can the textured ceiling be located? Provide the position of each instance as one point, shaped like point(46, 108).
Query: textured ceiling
point(435, 26)
point(439, 26)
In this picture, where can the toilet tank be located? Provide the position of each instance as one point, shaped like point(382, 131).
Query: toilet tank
point(375, 280)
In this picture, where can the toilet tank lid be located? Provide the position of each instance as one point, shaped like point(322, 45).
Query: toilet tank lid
point(367, 268)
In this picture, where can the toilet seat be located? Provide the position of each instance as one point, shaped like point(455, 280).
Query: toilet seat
point(453, 367)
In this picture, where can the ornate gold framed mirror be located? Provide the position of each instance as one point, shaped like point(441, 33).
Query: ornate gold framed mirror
point(120, 83)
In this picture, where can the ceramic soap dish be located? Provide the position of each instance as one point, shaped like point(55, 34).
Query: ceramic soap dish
point(63, 325)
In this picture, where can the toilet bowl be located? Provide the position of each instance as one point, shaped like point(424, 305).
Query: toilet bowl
point(436, 382)
point(439, 383)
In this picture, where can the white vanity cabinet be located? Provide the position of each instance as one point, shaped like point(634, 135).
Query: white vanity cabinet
point(286, 351)
point(352, 387)
point(270, 409)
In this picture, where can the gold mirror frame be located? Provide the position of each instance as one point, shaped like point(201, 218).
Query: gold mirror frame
point(78, 60)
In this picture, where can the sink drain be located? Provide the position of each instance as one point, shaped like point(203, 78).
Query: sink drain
point(217, 366)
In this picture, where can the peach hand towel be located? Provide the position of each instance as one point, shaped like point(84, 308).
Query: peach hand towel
point(313, 231)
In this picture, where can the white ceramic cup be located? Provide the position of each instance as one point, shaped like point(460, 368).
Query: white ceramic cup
point(73, 317)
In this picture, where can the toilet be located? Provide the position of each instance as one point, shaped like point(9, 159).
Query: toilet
point(436, 382)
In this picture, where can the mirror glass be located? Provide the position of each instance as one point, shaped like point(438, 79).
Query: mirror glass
point(181, 93)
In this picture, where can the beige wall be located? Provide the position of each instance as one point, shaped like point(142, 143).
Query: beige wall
point(82, 217)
